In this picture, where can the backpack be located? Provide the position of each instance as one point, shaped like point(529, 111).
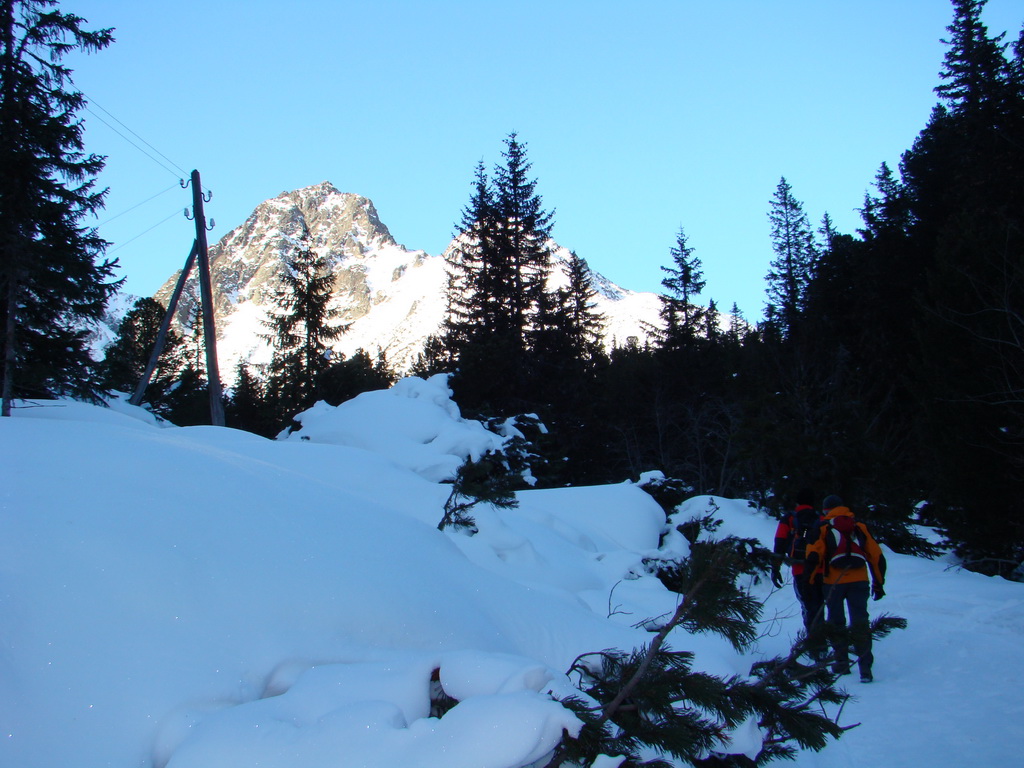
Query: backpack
point(844, 544)
point(805, 525)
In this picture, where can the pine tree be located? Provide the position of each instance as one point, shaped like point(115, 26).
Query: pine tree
point(585, 322)
point(683, 319)
point(976, 72)
point(125, 360)
point(473, 271)
point(524, 233)
point(433, 359)
point(888, 213)
point(1017, 67)
point(51, 282)
point(487, 480)
point(567, 329)
point(193, 348)
point(347, 377)
point(186, 401)
point(301, 327)
point(478, 338)
point(566, 354)
point(711, 316)
point(827, 232)
point(247, 408)
point(795, 256)
point(738, 327)
point(497, 274)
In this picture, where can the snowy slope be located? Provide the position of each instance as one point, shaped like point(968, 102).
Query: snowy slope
point(204, 598)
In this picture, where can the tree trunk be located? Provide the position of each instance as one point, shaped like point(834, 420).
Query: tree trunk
point(10, 356)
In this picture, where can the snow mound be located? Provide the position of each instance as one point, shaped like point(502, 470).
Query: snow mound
point(415, 423)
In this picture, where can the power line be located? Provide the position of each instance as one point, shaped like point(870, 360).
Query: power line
point(90, 100)
point(122, 213)
point(132, 240)
point(180, 174)
point(176, 174)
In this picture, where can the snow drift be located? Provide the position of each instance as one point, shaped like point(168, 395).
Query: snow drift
point(201, 597)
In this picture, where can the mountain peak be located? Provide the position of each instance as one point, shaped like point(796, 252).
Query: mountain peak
point(320, 212)
point(391, 297)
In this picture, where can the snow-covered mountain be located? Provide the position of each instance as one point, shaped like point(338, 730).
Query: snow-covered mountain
point(393, 297)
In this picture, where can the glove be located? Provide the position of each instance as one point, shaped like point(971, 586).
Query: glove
point(777, 577)
point(877, 591)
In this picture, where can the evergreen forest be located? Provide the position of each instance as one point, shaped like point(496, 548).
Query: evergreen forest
point(889, 365)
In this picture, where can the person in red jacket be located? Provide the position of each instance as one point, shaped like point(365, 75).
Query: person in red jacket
point(850, 565)
point(796, 530)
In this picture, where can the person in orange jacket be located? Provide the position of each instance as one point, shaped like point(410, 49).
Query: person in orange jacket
point(850, 565)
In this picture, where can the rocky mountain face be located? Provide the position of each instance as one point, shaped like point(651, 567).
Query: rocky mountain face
point(391, 297)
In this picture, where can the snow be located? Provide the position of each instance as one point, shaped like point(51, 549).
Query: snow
point(415, 424)
point(204, 598)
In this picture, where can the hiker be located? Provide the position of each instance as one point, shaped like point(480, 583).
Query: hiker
point(796, 530)
point(850, 565)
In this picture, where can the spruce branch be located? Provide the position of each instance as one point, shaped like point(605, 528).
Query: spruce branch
point(642, 668)
point(485, 480)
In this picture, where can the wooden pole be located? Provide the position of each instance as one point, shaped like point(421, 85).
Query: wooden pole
point(206, 298)
point(161, 338)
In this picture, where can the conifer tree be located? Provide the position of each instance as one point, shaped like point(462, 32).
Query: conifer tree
point(473, 271)
point(52, 280)
point(523, 234)
point(585, 322)
point(193, 347)
point(434, 358)
point(347, 377)
point(906, 329)
point(301, 328)
point(827, 231)
point(497, 275)
point(888, 213)
point(247, 408)
point(683, 319)
point(1017, 67)
point(737, 324)
point(567, 327)
point(125, 360)
point(976, 74)
point(795, 255)
point(186, 401)
point(487, 480)
point(711, 315)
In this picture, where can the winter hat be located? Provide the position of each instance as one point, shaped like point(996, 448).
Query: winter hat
point(831, 502)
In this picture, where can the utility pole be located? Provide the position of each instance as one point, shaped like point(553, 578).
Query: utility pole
point(206, 299)
point(165, 326)
point(198, 253)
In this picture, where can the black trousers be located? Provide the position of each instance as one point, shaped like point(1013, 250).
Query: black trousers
point(851, 598)
point(811, 601)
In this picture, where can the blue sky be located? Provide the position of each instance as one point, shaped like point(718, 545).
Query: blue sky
point(639, 118)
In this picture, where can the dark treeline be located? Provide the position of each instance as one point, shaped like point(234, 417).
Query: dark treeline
point(888, 366)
